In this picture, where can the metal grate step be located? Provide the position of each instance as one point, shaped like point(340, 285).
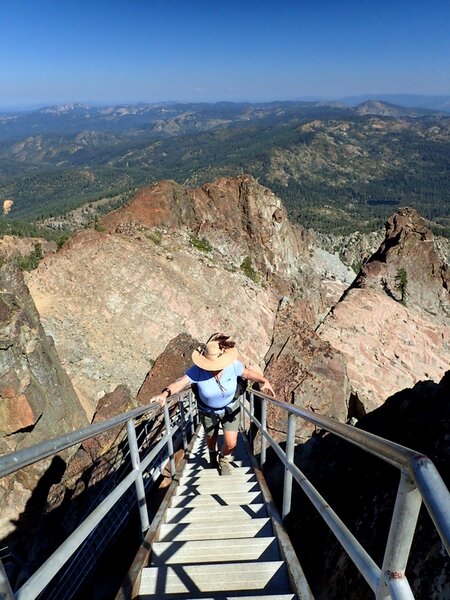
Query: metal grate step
point(267, 577)
point(227, 498)
point(215, 513)
point(217, 540)
point(224, 550)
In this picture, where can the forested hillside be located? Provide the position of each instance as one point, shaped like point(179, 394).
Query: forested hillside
point(337, 168)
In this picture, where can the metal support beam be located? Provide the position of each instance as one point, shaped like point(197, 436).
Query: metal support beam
point(290, 446)
point(182, 422)
point(401, 533)
point(139, 483)
point(252, 415)
point(191, 413)
point(169, 439)
point(263, 431)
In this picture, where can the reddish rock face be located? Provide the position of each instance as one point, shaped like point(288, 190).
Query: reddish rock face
point(174, 361)
point(16, 414)
point(389, 344)
point(112, 404)
point(300, 363)
point(37, 400)
point(409, 246)
point(235, 214)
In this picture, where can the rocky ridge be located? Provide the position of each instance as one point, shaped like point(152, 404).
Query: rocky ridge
point(390, 344)
point(172, 260)
point(12, 246)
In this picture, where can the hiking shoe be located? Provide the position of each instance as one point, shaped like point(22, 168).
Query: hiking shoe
point(224, 465)
point(213, 460)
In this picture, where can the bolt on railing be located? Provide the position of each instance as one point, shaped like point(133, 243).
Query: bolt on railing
point(419, 480)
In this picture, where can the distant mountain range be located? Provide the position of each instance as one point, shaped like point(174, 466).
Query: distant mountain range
point(436, 103)
point(334, 165)
point(175, 118)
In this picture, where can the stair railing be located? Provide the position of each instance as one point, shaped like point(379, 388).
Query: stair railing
point(419, 481)
point(179, 425)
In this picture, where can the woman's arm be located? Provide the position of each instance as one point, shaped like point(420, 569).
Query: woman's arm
point(254, 376)
point(174, 388)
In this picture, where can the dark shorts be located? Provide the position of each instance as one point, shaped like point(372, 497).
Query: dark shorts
point(229, 421)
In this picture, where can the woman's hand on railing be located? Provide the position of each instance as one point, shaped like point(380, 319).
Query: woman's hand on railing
point(161, 399)
point(265, 385)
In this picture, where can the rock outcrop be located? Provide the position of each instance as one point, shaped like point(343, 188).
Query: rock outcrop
point(12, 246)
point(300, 363)
point(409, 247)
point(389, 344)
point(174, 260)
point(386, 345)
point(113, 302)
point(37, 400)
point(240, 218)
point(174, 361)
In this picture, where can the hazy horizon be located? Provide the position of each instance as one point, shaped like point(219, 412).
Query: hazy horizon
point(107, 53)
point(96, 104)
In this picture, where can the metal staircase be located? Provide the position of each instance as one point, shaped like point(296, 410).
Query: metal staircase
point(213, 536)
point(217, 538)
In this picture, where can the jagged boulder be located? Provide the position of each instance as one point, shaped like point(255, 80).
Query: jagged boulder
point(37, 400)
point(239, 217)
point(409, 247)
point(299, 362)
point(390, 344)
point(171, 364)
point(361, 489)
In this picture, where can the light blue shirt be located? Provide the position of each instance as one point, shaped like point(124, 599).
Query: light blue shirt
point(216, 394)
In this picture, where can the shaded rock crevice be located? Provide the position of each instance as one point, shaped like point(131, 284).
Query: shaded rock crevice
point(362, 489)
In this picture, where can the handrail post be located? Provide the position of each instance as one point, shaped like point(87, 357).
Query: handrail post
point(139, 483)
point(191, 414)
point(252, 413)
point(182, 422)
point(290, 446)
point(263, 431)
point(169, 439)
point(401, 533)
point(242, 412)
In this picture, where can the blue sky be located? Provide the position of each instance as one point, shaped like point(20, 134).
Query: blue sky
point(150, 50)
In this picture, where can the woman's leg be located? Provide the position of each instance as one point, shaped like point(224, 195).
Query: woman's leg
point(211, 425)
point(229, 442)
point(211, 440)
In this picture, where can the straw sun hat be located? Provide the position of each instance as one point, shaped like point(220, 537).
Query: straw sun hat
point(216, 354)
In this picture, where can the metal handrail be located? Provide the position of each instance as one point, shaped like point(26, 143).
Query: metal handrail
point(15, 461)
point(419, 480)
point(9, 463)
